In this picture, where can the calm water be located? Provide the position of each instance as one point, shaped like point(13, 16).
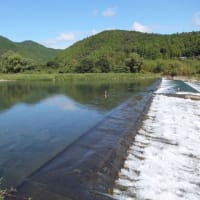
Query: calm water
point(39, 119)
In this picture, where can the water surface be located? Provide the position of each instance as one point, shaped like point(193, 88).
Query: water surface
point(40, 119)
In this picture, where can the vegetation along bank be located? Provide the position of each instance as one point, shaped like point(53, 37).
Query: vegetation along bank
point(115, 51)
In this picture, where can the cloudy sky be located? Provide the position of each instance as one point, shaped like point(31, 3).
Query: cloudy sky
point(60, 23)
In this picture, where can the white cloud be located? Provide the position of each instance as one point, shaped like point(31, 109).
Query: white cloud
point(196, 19)
point(57, 45)
point(141, 28)
point(65, 37)
point(61, 102)
point(62, 41)
point(109, 12)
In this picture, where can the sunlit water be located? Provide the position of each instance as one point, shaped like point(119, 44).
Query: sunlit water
point(40, 119)
point(164, 161)
point(196, 86)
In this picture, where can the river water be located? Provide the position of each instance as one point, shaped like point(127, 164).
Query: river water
point(163, 162)
point(40, 119)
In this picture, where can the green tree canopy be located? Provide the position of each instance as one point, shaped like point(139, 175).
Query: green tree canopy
point(85, 66)
point(134, 62)
point(11, 62)
point(103, 64)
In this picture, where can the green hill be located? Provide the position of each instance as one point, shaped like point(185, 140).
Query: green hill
point(28, 49)
point(108, 51)
point(6, 45)
point(117, 48)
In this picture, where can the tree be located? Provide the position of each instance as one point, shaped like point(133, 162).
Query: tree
point(134, 62)
point(86, 66)
point(103, 64)
point(159, 66)
point(12, 62)
point(52, 64)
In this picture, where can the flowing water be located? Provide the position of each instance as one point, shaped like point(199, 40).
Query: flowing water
point(39, 119)
point(164, 161)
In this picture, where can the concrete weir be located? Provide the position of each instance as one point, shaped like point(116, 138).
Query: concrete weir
point(87, 169)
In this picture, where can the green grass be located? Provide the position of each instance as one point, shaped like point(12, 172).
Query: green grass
point(78, 77)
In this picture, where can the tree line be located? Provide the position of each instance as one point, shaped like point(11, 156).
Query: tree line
point(118, 51)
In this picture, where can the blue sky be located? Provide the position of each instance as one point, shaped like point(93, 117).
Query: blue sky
point(60, 23)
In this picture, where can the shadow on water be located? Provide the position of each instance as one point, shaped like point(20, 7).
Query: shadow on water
point(39, 119)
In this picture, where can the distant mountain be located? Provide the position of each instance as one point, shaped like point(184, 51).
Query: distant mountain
point(6, 45)
point(116, 46)
point(111, 51)
point(28, 49)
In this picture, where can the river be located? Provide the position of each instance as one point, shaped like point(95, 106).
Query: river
point(39, 119)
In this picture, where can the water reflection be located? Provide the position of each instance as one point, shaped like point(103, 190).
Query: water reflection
point(39, 119)
point(93, 94)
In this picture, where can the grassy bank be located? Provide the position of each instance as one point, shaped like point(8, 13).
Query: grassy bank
point(78, 77)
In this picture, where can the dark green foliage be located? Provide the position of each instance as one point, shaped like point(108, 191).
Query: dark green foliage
point(118, 46)
point(85, 66)
point(52, 64)
point(174, 67)
point(103, 64)
point(134, 62)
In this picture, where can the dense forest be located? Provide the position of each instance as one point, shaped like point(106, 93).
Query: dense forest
point(114, 51)
point(130, 51)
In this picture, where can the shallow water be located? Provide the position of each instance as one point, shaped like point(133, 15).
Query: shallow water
point(164, 160)
point(39, 119)
point(174, 86)
point(195, 85)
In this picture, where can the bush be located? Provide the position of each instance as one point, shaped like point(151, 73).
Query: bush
point(103, 64)
point(52, 64)
point(134, 62)
point(86, 66)
point(12, 62)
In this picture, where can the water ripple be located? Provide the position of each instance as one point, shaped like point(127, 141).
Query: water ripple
point(164, 161)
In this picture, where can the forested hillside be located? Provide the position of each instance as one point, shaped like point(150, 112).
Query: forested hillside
point(28, 49)
point(108, 51)
point(130, 51)
point(18, 57)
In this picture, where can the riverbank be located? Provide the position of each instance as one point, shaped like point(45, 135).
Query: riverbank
point(183, 78)
point(88, 168)
point(78, 77)
point(3, 80)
